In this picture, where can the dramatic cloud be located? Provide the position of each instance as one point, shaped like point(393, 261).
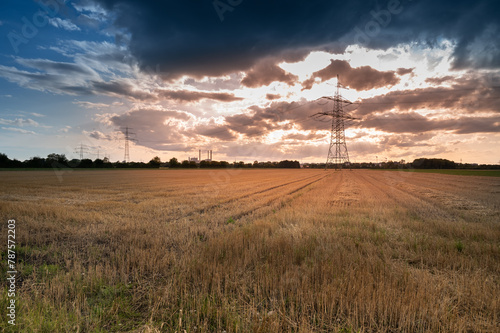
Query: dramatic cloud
point(212, 130)
point(197, 43)
point(272, 96)
point(359, 78)
point(266, 72)
point(119, 89)
point(231, 82)
point(404, 71)
point(191, 96)
point(412, 122)
point(258, 122)
point(242, 76)
point(406, 140)
point(471, 97)
point(200, 40)
point(79, 79)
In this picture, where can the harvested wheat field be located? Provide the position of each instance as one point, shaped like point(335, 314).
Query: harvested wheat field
point(254, 251)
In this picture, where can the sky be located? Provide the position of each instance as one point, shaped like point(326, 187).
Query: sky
point(243, 78)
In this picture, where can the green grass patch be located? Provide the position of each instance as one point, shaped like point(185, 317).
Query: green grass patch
point(458, 172)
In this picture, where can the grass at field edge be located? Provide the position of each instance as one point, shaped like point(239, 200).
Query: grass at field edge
point(458, 172)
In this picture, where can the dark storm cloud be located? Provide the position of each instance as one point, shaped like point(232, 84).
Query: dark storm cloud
point(359, 78)
point(186, 37)
point(189, 38)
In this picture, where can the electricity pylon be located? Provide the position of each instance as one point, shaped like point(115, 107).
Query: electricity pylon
point(127, 139)
point(81, 149)
point(338, 154)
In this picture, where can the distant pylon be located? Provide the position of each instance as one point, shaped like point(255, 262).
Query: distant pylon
point(81, 149)
point(127, 139)
point(338, 154)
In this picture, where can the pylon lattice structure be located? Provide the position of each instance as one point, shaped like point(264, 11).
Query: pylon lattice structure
point(338, 154)
point(127, 139)
point(81, 149)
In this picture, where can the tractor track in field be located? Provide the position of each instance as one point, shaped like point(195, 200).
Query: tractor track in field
point(457, 198)
point(427, 205)
point(221, 205)
point(453, 203)
point(269, 202)
point(393, 193)
point(226, 202)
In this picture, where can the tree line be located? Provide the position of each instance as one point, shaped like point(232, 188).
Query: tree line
point(61, 161)
point(419, 163)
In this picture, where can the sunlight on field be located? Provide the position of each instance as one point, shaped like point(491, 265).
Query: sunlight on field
point(254, 251)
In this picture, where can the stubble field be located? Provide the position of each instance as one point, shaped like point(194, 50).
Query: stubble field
point(253, 251)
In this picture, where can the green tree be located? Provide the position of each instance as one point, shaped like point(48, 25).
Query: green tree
point(56, 161)
point(155, 162)
point(174, 163)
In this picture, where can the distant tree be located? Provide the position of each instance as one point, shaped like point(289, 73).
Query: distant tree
point(185, 164)
point(56, 160)
point(74, 163)
point(174, 163)
point(155, 162)
point(433, 163)
point(289, 164)
point(35, 162)
point(239, 164)
point(5, 162)
point(16, 164)
point(98, 163)
point(86, 163)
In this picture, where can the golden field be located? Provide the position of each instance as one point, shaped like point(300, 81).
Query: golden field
point(253, 251)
